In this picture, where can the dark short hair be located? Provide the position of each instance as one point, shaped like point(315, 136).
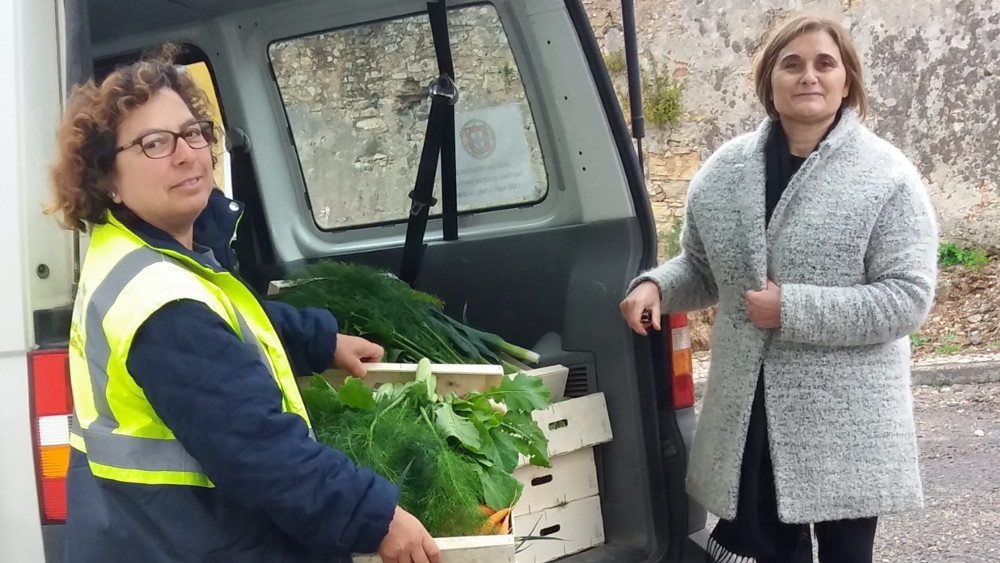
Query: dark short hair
point(857, 97)
point(83, 171)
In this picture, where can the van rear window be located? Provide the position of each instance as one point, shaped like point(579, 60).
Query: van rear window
point(357, 106)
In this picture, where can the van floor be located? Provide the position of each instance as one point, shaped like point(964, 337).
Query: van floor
point(607, 553)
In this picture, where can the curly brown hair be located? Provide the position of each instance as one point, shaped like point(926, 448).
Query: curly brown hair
point(83, 171)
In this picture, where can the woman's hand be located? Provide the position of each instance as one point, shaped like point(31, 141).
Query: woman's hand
point(764, 306)
point(645, 297)
point(353, 351)
point(408, 541)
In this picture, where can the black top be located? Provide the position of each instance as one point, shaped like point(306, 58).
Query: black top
point(780, 167)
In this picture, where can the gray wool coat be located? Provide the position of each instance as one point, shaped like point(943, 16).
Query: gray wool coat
point(853, 245)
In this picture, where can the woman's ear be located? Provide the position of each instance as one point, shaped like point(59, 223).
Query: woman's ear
point(114, 196)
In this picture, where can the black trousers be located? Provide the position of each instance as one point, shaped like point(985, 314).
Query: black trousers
point(846, 541)
point(757, 534)
point(839, 541)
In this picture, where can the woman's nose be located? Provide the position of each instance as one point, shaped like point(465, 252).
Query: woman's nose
point(183, 153)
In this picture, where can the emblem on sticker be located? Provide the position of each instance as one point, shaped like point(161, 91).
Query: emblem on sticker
point(478, 138)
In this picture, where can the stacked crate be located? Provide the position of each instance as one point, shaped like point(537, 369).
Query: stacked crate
point(563, 502)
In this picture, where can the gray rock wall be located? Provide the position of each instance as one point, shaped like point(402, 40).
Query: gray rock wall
point(931, 68)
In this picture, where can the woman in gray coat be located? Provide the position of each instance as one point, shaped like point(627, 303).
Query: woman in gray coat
point(818, 242)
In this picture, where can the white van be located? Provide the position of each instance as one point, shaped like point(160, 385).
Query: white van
point(325, 106)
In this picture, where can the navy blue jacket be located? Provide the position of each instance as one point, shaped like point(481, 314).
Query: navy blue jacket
point(279, 495)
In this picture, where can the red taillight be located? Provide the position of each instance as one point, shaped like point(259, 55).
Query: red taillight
point(51, 409)
point(679, 348)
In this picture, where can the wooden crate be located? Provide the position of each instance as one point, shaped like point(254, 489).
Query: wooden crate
point(451, 378)
point(577, 526)
point(573, 476)
point(554, 377)
point(563, 501)
point(468, 549)
point(574, 424)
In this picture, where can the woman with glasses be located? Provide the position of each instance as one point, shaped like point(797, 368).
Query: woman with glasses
point(190, 439)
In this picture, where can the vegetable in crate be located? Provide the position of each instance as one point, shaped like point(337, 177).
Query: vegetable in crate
point(448, 455)
point(409, 324)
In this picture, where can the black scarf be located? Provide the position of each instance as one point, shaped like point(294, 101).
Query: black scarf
point(781, 165)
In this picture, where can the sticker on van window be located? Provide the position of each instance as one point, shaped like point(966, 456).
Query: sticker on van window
point(492, 159)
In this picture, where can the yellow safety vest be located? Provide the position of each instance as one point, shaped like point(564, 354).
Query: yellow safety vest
point(123, 282)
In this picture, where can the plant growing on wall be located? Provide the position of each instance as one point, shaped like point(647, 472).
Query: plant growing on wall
point(661, 101)
point(670, 240)
point(615, 61)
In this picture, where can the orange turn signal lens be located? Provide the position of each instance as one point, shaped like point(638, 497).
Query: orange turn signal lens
point(55, 461)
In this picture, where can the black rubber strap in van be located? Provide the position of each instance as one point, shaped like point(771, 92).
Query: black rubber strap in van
point(438, 13)
point(439, 141)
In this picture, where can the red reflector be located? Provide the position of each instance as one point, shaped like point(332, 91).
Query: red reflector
point(54, 500)
point(50, 372)
point(52, 405)
point(677, 321)
point(682, 395)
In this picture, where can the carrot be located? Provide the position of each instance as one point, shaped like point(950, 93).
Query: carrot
point(497, 523)
point(487, 510)
point(504, 526)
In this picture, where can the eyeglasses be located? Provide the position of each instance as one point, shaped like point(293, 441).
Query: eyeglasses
point(161, 144)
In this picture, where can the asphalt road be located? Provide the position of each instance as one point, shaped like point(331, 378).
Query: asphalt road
point(958, 430)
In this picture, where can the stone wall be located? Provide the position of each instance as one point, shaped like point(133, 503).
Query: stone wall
point(357, 105)
point(932, 72)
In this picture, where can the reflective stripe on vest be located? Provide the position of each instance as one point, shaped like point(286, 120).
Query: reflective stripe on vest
point(112, 449)
point(104, 448)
